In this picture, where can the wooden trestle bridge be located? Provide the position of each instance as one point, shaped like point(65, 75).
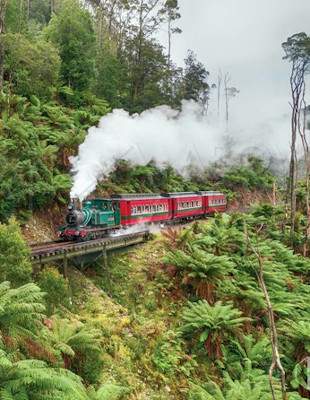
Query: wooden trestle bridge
point(83, 254)
point(57, 250)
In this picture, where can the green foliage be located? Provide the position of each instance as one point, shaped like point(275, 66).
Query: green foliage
point(195, 80)
point(30, 68)
point(34, 380)
point(76, 342)
point(111, 391)
point(25, 178)
point(14, 255)
point(213, 324)
point(254, 175)
point(72, 32)
point(56, 288)
point(249, 352)
point(150, 178)
point(169, 358)
point(20, 316)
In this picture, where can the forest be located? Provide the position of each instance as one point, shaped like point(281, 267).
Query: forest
point(218, 310)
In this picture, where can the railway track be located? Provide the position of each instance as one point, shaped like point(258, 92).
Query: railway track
point(40, 245)
point(57, 249)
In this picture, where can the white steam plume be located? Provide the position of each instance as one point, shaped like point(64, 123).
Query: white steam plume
point(161, 133)
point(168, 136)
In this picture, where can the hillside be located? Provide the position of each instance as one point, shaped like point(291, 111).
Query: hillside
point(154, 345)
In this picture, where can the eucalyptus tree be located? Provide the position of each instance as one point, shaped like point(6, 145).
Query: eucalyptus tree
point(71, 31)
point(30, 69)
point(297, 51)
point(195, 84)
point(144, 55)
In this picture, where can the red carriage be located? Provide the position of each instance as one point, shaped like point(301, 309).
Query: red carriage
point(143, 208)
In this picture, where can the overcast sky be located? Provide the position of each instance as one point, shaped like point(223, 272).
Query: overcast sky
point(243, 38)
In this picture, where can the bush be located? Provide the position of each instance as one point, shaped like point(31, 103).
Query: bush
point(56, 288)
point(14, 255)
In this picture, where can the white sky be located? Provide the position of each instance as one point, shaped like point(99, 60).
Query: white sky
point(243, 38)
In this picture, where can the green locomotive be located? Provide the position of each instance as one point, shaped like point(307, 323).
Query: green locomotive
point(93, 219)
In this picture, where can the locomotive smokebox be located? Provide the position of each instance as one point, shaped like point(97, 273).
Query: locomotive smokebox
point(74, 216)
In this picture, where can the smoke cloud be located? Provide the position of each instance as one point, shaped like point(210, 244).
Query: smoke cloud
point(163, 134)
point(179, 138)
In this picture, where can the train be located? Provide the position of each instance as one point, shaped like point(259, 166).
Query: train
point(95, 218)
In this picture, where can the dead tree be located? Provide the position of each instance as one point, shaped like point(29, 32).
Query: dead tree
point(276, 362)
point(219, 83)
point(230, 92)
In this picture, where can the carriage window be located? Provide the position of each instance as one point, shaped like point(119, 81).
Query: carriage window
point(133, 210)
point(147, 209)
point(154, 208)
point(160, 207)
point(139, 209)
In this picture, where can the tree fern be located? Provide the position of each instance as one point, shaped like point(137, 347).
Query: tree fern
point(34, 380)
point(213, 324)
point(74, 340)
point(20, 309)
point(111, 391)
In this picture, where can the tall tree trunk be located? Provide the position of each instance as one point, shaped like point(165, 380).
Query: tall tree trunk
point(2, 28)
point(276, 361)
point(226, 80)
point(219, 84)
point(305, 145)
point(297, 89)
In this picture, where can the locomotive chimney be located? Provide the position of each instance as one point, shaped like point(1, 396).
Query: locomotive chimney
point(75, 203)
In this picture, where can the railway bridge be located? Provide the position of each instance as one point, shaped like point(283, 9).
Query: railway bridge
point(58, 250)
point(83, 254)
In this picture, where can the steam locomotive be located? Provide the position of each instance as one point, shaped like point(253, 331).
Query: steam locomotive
point(97, 217)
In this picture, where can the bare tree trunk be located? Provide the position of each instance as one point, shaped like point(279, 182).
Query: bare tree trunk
point(2, 29)
point(276, 362)
point(226, 80)
point(219, 84)
point(28, 9)
point(297, 88)
point(302, 134)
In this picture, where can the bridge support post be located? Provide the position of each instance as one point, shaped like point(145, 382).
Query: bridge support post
point(106, 268)
point(67, 276)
